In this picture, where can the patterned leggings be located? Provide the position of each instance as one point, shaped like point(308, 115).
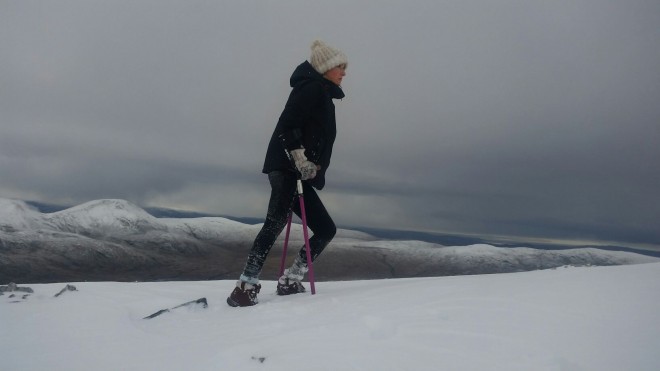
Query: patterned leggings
point(282, 196)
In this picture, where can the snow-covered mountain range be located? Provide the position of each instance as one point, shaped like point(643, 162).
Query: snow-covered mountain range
point(117, 240)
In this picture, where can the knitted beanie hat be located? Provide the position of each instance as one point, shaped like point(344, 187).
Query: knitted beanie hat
point(325, 58)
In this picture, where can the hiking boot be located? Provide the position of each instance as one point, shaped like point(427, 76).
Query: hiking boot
point(286, 286)
point(297, 270)
point(244, 295)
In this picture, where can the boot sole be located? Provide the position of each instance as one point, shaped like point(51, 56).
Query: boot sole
point(235, 304)
point(232, 303)
point(285, 293)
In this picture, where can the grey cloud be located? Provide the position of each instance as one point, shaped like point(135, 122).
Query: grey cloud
point(524, 118)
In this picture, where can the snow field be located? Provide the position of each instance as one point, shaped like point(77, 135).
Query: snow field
point(588, 318)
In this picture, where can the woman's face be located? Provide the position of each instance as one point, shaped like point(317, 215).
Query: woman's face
point(336, 74)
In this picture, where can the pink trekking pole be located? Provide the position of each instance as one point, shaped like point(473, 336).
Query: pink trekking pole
point(299, 188)
point(305, 234)
point(308, 251)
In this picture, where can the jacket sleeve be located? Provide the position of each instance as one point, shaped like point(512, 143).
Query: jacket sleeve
point(297, 112)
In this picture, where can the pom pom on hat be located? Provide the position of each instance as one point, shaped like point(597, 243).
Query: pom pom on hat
point(325, 57)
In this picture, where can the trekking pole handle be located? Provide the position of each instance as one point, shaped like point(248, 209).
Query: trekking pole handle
point(300, 187)
point(298, 174)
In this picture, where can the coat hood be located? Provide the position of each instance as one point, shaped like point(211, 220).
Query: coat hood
point(305, 72)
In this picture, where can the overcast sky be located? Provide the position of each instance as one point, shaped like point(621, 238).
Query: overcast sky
point(531, 119)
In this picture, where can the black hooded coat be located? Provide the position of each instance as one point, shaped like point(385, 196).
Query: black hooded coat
point(308, 121)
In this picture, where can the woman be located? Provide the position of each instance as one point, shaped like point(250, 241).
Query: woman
point(306, 130)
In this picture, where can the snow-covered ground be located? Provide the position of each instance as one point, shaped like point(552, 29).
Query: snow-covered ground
point(586, 318)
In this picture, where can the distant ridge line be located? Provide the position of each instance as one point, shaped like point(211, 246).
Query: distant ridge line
point(392, 234)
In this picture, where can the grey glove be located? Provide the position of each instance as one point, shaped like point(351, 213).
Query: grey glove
point(306, 168)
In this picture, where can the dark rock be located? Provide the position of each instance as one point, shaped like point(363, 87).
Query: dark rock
point(199, 302)
point(65, 289)
point(12, 287)
point(260, 359)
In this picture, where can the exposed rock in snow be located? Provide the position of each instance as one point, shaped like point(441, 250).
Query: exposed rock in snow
point(65, 289)
point(12, 287)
